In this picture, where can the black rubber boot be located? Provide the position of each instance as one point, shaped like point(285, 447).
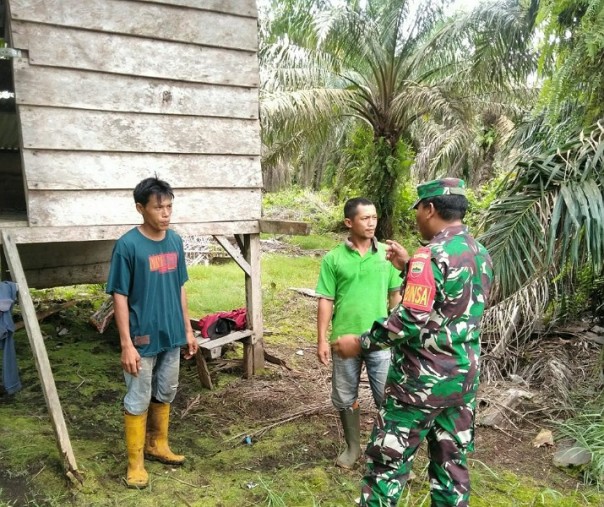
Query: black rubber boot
point(351, 422)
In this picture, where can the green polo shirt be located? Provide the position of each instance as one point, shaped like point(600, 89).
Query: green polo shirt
point(358, 286)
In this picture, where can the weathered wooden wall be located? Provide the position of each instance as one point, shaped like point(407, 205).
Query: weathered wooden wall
point(111, 92)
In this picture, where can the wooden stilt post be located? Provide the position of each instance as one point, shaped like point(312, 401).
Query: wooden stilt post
point(41, 357)
point(253, 355)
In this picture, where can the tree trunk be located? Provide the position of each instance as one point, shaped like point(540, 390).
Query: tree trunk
point(382, 185)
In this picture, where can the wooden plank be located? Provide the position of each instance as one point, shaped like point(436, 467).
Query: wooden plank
point(234, 253)
point(67, 275)
point(155, 21)
point(60, 208)
point(223, 340)
point(121, 54)
point(113, 232)
point(68, 263)
point(83, 89)
point(202, 370)
point(36, 342)
point(67, 170)
point(239, 7)
point(253, 296)
point(285, 227)
point(151, 133)
point(64, 254)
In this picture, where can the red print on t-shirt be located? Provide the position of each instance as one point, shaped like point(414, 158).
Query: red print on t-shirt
point(163, 262)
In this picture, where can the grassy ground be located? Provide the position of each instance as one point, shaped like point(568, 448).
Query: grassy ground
point(295, 435)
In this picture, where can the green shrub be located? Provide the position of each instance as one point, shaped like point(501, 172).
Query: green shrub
point(479, 201)
point(315, 207)
point(587, 429)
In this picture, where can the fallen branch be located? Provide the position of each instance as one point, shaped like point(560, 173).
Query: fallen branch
point(275, 360)
point(315, 409)
point(304, 291)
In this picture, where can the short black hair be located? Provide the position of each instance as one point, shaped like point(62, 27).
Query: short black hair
point(351, 205)
point(449, 207)
point(152, 186)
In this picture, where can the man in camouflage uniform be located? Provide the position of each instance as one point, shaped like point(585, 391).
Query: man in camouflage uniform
point(435, 338)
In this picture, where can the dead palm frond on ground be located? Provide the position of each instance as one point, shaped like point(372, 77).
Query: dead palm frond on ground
point(545, 228)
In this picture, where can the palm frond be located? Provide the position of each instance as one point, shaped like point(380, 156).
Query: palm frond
point(507, 324)
point(551, 214)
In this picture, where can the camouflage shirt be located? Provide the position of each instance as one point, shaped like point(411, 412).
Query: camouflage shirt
point(435, 331)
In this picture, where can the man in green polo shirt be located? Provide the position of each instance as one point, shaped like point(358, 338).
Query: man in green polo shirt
point(434, 336)
point(356, 286)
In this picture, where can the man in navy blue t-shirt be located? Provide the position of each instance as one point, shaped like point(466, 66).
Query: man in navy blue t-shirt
point(146, 280)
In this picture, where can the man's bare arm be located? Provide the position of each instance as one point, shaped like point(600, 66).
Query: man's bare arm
point(394, 298)
point(191, 341)
point(324, 314)
point(130, 357)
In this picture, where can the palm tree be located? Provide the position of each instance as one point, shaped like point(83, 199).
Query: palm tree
point(573, 59)
point(395, 68)
point(546, 227)
point(546, 230)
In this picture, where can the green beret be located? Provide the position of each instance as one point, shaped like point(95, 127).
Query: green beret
point(444, 186)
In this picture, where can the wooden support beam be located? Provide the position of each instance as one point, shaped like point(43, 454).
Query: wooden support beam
point(204, 345)
point(287, 227)
point(40, 356)
point(253, 352)
point(27, 235)
point(223, 340)
point(236, 255)
point(202, 370)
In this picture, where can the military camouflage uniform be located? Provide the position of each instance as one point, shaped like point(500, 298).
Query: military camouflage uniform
point(431, 388)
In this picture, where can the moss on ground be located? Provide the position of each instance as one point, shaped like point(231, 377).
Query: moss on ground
point(290, 464)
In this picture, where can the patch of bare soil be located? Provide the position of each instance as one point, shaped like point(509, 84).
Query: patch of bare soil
point(514, 451)
point(301, 391)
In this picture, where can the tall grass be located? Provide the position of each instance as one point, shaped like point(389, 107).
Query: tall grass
point(587, 429)
point(221, 287)
point(317, 208)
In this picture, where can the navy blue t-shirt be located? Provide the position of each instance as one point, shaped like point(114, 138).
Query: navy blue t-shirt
point(151, 274)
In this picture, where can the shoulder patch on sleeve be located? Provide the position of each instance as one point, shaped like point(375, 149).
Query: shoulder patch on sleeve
point(420, 288)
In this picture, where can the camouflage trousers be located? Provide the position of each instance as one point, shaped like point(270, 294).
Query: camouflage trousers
point(396, 436)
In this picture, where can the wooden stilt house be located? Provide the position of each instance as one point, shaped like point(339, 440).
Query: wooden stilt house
point(94, 97)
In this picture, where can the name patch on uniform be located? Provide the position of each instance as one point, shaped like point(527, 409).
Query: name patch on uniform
point(420, 287)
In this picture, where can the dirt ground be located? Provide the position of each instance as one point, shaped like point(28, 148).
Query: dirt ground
point(285, 410)
point(305, 391)
point(296, 394)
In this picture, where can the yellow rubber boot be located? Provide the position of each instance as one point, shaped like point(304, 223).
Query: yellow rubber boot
point(136, 476)
point(156, 444)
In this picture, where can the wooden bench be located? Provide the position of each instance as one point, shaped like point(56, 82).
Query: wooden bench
point(213, 348)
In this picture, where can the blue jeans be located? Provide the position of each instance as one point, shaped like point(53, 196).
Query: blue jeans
point(347, 374)
point(157, 378)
